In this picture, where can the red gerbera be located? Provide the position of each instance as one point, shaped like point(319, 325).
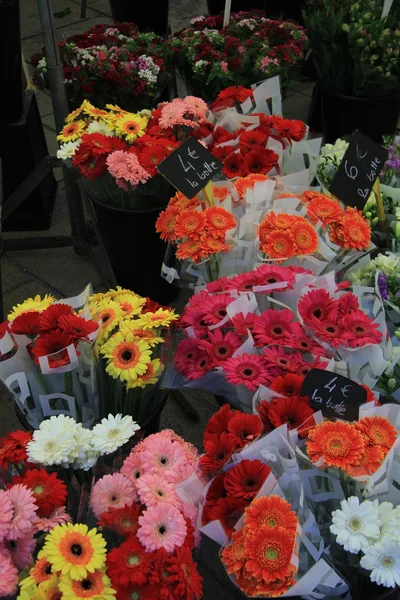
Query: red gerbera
point(129, 563)
point(273, 326)
point(218, 451)
point(77, 327)
point(123, 521)
point(151, 156)
point(49, 317)
point(329, 331)
point(217, 489)
point(234, 166)
point(288, 384)
point(94, 167)
point(184, 575)
point(261, 161)
point(243, 324)
point(348, 303)
point(275, 274)
point(263, 412)
point(48, 491)
point(249, 370)
point(244, 282)
point(13, 448)
point(246, 428)
point(249, 140)
point(222, 152)
point(298, 338)
point(291, 130)
point(220, 346)
point(317, 304)
point(228, 511)
point(218, 423)
point(294, 411)
point(214, 308)
point(246, 478)
point(138, 592)
point(97, 143)
point(26, 323)
point(54, 343)
point(360, 330)
point(222, 135)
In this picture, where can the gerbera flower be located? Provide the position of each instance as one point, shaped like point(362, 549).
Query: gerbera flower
point(356, 524)
point(147, 335)
point(273, 326)
point(151, 156)
point(213, 245)
point(26, 324)
point(379, 431)
point(219, 221)
point(338, 444)
point(75, 550)
point(277, 244)
point(153, 489)
point(246, 428)
point(112, 433)
point(39, 573)
point(31, 304)
point(292, 130)
point(220, 346)
point(72, 131)
point(48, 491)
point(108, 313)
point(6, 513)
point(246, 369)
point(53, 343)
point(8, 576)
point(129, 563)
point(263, 412)
point(24, 511)
point(355, 230)
point(305, 237)
point(127, 356)
point(192, 249)
point(97, 143)
point(288, 384)
point(234, 556)
point(21, 550)
point(77, 327)
point(228, 512)
point(329, 331)
point(249, 140)
point(123, 521)
point(220, 192)
point(244, 282)
point(261, 160)
point(383, 561)
point(234, 166)
point(271, 511)
point(111, 491)
point(246, 478)
point(165, 224)
point(130, 126)
point(95, 585)
point(218, 450)
point(369, 461)
point(163, 457)
point(59, 516)
point(184, 575)
point(189, 223)
point(243, 323)
point(186, 351)
point(219, 422)
point(325, 209)
point(162, 526)
point(294, 411)
point(270, 551)
point(163, 317)
point(275, 589)
point(153, 372)
point(317, 304)
point(13, 447)
point(360, 330)
point(132, 467)
point(214, 308)
point(275, 274)
point(54, 442)
point(244, 183)
point(348, 303)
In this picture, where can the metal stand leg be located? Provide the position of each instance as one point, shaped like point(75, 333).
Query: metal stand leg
point(83, 8)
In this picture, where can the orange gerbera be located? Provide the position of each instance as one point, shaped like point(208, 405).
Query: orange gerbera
point(308, 195)
point(182, 202)
point(369, 461)
point(234, 555)
point(305, 237)
point(338, 444)
point(270, 551)
point(244, 183)
point(279, 244)
point(190, 223)
point(325, 209)
point(276, 588)
point(72, 131)
point(165, 224)
point(214, 245)
point(272, 511)
point(219, 221)
point(379, 431)
point(192, 249)
point(287, 195)
point(220, 193)
point(356, 230)
point(274, 221)
point(41, 570)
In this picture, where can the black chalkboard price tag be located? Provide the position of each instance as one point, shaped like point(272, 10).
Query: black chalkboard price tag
point(334, 395)
point(358, 171)
point(190, 167)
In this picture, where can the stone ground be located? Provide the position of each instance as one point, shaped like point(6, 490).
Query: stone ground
point(63, 273)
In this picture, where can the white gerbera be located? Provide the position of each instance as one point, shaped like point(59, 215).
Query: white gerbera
point(112, 433)
point(356, 525)
point(68, 149)
point(99, 127)
point(54, 443)
point(384, 562)
point(87, 455)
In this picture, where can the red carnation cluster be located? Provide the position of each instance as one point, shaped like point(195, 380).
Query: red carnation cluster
point(13, 448)
point(227, 432)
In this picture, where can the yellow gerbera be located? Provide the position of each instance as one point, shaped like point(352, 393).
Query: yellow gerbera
point(28, 592)
point(148, 335)
point(72, 131)
point(131, 304)
point(108, 314)
point(75, 113)
point(127, 356)
point(40, 574)
point(75, 550)
point(92, 111)
point(114, 108)
point(152, 375)
point(95, 585)
point(131, 126)
point(31, 304)
point(160, 318)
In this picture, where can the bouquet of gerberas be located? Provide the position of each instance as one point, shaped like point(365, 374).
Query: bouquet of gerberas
point(250, 48)
point(129, 352)
point(111, 64)
point(46, 350)
point(115, 153)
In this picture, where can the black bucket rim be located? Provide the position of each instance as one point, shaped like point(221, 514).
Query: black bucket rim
point(127, 210)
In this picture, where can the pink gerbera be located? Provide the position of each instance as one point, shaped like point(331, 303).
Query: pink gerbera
point(186, 353)
point(247, 369)
point(132, 467)
point(317, 304)
point(244, 282)
point(6, 513)
point(126, 168)
point(8, 574)
point(164, 457)
point(200, 366)
point(59, 516)
point(220, 285)
point(197, 105)
point(273, 326)
point(348, 303)
point(269, 275)
point(329, 331)
point(220, 346)
point(21, 550)
point(24, 511)
point(243, 324)
point(360, 330)
point(154, 488)
point(194, 317)
point(214, 308)
point(112, 491)
point(162, 526)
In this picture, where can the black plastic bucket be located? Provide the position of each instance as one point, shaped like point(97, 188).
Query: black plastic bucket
point(151, 16)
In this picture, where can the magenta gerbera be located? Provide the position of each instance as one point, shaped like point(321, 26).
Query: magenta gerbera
point(112, 491)
point(360, 330)
point(277, 356)
point(273, 326)
point(220, 346)
point(186, 352)
point(194, 317)
point(162, 526)
point(200, 366)
point(317, 304)
point(244, 282)
point(24, 511)
point(247, 369)
point(6, 513)
point(153, 489)
point(214, 308)
point(243, 324)
point(270, 275)
point(298, 339)
point(329, 331)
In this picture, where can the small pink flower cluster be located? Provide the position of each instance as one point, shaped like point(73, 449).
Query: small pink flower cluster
point(149, 477)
